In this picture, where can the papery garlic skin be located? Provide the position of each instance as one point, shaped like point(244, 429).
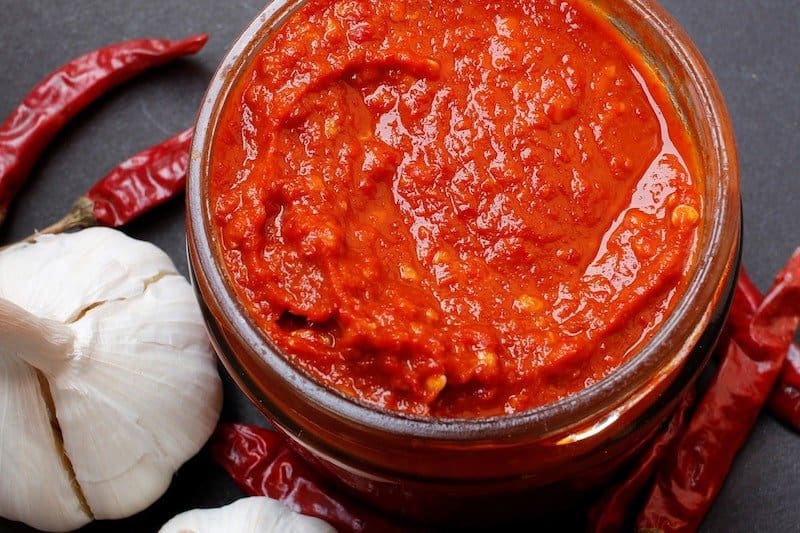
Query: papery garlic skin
point(248, 515)
point(155, 416)
point(60, 276)
point(136, 390)
point(31, 452)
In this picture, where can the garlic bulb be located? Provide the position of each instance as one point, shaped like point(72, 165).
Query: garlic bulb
point(248, 515)
point(107, 380)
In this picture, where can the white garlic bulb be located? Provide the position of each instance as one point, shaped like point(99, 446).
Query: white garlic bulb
point(248, 515)
point(107, 380)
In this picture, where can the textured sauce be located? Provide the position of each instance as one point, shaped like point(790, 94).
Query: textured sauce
point(455, 208)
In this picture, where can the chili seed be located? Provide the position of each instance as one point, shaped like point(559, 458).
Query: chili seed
point(488, 359)
point(331, 127)
point(440, 257)
point(529, 304)
point(685, 216)
point(408, 273)
point(434, 384)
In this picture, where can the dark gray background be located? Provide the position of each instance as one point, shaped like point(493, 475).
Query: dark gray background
point(753, 48)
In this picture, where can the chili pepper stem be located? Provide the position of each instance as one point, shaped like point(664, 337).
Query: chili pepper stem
point(81, 215)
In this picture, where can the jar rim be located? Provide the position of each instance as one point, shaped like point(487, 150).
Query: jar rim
point(713, 256)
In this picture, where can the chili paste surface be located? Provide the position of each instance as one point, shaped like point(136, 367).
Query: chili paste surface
point(454, 208)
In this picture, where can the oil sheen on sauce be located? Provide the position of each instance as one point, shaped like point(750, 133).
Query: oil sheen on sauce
point(455, 208)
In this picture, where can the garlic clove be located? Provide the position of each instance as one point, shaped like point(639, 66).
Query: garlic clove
point(248, 515)
point(29, 449)
point(40, 342)
point(66, 274)
point(150, 390)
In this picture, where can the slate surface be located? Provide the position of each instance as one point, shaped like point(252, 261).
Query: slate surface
point(753, 48)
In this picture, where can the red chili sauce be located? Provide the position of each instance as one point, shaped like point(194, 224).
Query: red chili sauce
point(456, 208)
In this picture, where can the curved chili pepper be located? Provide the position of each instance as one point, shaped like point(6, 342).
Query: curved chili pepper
point(135, 186)
point(784, 402)
point(612, 512)
point(262, 465)
point(753, 358)
point(68, 90)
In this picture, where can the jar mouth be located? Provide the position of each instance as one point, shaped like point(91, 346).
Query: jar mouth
point(667, 348)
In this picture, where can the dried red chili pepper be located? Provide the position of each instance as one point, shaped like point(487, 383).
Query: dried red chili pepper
point(262, 465)
point(68, 90)
point(135, 186)
point(784, 402)
point(687, 484)
point(612, 512)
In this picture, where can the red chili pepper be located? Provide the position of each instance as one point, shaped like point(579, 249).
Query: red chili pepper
point(261, 464)
point(68, 90)
point(784, 402)
point(687, 484)
point(612, 512)
point(135, 186)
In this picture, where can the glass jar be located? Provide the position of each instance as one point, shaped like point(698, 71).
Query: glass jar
point(465, 471)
